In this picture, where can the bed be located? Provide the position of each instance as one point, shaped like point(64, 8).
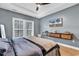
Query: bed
point(28, 46)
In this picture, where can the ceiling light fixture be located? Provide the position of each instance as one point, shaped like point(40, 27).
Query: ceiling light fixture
point(39, 4)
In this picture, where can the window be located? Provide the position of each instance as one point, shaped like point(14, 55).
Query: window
point(22, 28)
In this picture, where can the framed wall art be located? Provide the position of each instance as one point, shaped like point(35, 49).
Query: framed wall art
point(57, 22)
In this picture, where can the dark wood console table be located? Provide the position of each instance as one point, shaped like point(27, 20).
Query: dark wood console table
point(61, 35)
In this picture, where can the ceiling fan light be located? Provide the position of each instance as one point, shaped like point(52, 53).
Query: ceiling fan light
point(37, 8)
point(38, 5)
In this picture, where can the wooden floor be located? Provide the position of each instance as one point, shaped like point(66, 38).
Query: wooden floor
point(66, 51)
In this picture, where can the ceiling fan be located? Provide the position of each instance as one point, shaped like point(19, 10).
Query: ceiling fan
point(40, 4)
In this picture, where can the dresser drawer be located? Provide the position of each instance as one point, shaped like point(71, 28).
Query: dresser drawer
point(66, 36)
point(54, 35)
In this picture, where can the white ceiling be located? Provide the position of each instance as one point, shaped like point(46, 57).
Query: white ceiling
point(30, 8)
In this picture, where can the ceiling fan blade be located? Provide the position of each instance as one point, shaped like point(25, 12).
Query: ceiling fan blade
point(42, 3)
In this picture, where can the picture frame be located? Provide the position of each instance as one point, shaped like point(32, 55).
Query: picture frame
point(58, 22)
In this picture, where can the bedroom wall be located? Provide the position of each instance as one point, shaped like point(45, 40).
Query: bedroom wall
point(6, 19)
point(70, 21)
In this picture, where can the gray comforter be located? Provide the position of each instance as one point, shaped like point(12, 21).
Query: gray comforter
point(22, 48)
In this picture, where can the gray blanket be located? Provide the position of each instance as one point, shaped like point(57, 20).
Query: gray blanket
point(22, 48)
